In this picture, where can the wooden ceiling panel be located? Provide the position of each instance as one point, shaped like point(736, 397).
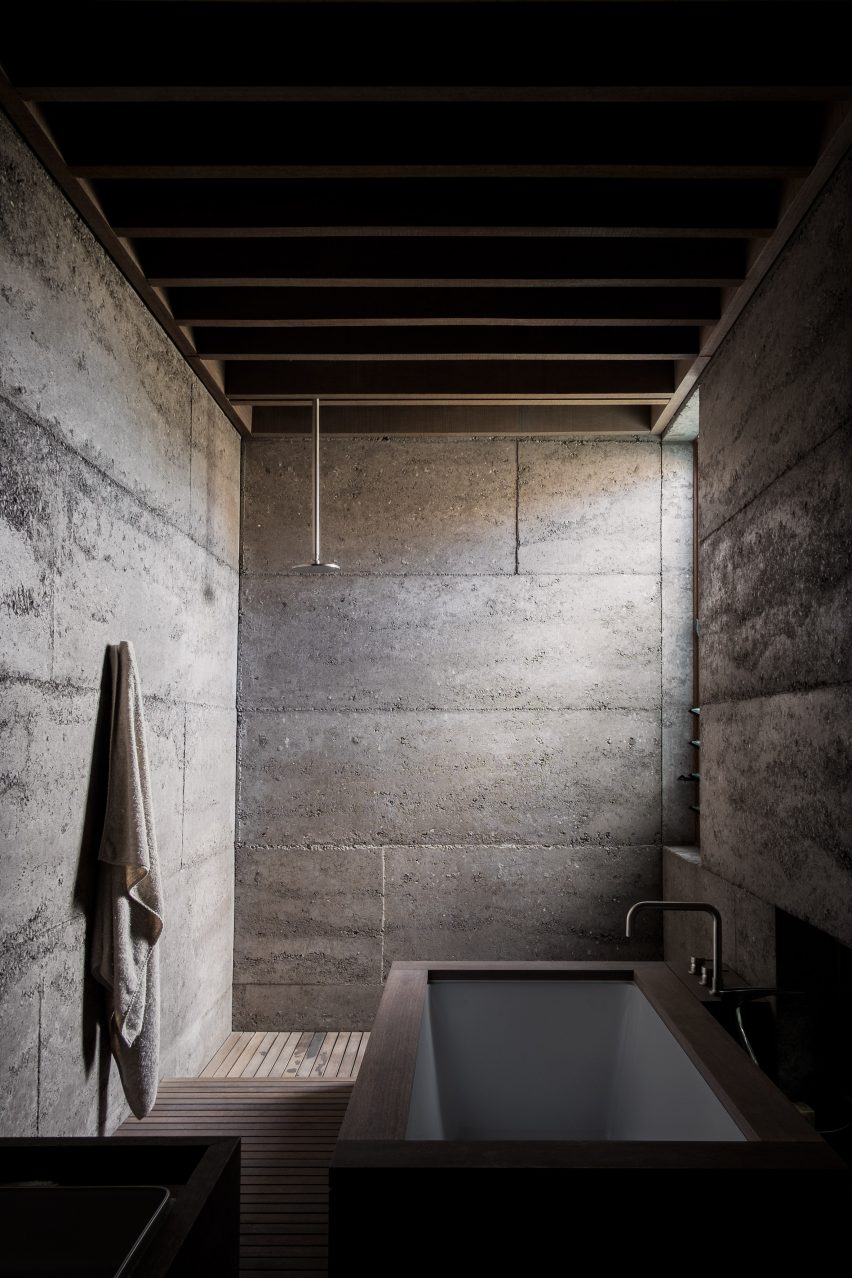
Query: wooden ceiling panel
point(137, 207)
point(538, 203)
point(440, 342)
point(296, 307)
point(257, 381)
point(635, 46)
point(734, 138)
point(476, 263)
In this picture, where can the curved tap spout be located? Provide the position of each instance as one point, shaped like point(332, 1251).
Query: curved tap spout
point(702, 907)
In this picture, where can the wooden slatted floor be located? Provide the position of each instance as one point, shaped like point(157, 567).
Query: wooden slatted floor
point(288, 1127)
point(289, 1054)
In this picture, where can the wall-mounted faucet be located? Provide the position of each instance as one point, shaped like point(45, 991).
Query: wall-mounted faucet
point(702, 907)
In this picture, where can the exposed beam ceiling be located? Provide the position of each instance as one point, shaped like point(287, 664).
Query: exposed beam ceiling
point(300, 227)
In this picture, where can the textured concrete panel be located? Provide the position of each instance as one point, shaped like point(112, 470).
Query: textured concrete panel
point(77, 348)
point(450, 642)
point(46, 739)
point(679, 726)
point(209, 792)
point(165, 740)
point(782, 381)
point(528, 777)
point(676, 510)
point(748, 924)
point(190, 1049)
point(125, 574)
point(214, 493)
point(29, 517)
point(755, 938)
point(685, 424)
point(588, 506)
point(776, 804)
point(20, 980)
point(79, 1086)
point(399, 505)
point(517, 903)
point(198, 921)
point(114, 475)
point(308, 916)
point(317, 1007)
point(776, 583)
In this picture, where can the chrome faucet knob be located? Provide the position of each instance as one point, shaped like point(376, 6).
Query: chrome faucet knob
point(705, 974)
point(695, 964)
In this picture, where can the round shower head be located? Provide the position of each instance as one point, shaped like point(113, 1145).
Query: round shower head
point(316, 568)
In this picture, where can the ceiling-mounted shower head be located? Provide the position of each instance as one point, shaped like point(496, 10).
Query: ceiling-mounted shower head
point(316, 565)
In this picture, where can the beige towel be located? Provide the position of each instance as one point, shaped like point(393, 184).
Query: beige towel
point(129, 911)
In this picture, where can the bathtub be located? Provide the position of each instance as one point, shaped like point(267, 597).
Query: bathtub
point(500, 1104)
point(555, 1060)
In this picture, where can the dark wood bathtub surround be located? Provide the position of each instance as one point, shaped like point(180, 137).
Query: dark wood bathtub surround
point(772, 1198)
point(373, 1133)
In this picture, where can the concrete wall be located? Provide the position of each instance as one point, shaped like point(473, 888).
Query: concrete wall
point(452, 749)
point(119, 519)
point(775, 477)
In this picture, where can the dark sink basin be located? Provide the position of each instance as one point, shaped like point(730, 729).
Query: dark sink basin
point(96, 1230)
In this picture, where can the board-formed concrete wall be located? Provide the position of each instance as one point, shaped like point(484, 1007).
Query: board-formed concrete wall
point(452, 749)
point(776, 583)
point(119, 519)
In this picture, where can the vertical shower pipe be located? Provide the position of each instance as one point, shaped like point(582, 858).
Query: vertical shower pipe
point(316, 565)
point(315, 428)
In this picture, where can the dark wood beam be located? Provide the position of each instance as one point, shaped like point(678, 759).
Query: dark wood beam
point(270, 307)
point(422, 419)
point(144, 206)
point(407, 172)
point(526, 48)
point(741, 231)
point(810, 90)
point(725, 137)
point(31, 129)
point(258, 381)
point(442, 342)
point(482, 262)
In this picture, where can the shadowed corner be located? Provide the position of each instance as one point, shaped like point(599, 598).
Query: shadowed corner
point(95, 1035)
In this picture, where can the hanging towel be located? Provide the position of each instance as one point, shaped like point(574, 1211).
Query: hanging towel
point(129, 909)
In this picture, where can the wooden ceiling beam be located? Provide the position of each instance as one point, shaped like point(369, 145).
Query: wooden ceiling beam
point(442, 342)
point(801, 49)
point(141, 206)
point(619, 420)
point(419, 232)
point(808, 91)
point(473, 137)
point(407, 172)
point(443, 262)
point(329, 138)
point(645, 381)
point(333, 307)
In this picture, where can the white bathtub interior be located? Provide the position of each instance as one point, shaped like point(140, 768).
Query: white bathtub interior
point(555, 1060)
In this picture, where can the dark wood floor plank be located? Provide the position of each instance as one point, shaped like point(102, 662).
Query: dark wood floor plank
point(288, 1128)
